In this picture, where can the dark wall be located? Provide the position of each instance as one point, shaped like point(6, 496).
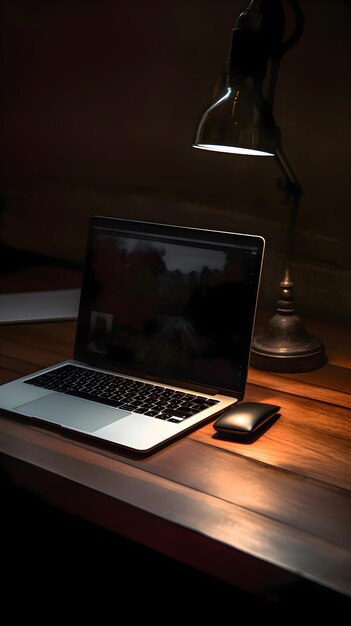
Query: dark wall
point(101, 100)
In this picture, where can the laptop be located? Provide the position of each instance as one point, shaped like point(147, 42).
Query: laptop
point(163, 337)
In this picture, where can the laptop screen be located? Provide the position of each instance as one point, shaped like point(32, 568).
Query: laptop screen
point(168, 303)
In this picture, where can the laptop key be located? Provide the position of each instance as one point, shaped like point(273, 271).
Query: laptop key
point(80, 394)
point(122, 393)
point(182, 414)
point(99, 400)
point(126, 407)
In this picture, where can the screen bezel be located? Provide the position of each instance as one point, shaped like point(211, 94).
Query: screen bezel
point(195, 235)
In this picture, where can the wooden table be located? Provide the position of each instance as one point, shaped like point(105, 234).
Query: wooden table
point(255, 515)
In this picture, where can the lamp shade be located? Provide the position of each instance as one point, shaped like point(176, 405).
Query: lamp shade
point(239, 121)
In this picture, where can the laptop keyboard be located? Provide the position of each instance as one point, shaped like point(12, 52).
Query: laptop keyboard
point(123, 393)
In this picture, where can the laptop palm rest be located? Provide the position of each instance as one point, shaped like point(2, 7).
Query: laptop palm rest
point(71, 412)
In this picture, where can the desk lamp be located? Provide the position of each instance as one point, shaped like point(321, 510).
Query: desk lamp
point(240, 121)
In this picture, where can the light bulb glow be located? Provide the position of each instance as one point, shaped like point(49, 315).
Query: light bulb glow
point(232, 149)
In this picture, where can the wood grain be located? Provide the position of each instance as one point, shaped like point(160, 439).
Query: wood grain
point(308, 439)
point(331, 384)
point(185, 507)
point(279, 505)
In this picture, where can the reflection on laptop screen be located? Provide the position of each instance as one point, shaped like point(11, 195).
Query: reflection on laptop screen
point(180, 309)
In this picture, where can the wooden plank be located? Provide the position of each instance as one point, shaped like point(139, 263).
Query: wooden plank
point(59, 336)
point(212, 517)
point(63, 330)
point(7, 375)
point(15, 367)
point(333, 385)
point(330, 376)
point(27, 348)
point(304, 429)
point(337, 339)
point(305, 412)
point(293, 448)
point(39, 357)
point(317, 508)
point(308, 505)
point(283, 498)
point(176, 541)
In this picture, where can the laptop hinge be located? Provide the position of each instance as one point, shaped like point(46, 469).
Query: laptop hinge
point(209, 391)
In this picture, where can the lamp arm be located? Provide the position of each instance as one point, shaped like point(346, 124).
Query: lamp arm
point(299, 27)
point(293, 192)
point(292, 185)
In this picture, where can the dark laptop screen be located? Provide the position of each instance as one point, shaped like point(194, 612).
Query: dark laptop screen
point(169, 303)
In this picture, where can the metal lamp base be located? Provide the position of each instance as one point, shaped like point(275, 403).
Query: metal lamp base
point(287, 347)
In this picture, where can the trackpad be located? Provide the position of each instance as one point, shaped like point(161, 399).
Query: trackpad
point(72, 412)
